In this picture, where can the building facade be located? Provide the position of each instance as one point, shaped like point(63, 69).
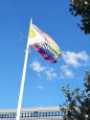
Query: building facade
point(49, 113)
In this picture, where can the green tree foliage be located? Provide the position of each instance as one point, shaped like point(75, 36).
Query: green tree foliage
point(81, 8)
point(77, 105)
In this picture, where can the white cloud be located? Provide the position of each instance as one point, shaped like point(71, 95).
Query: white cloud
point(51, 74)
point(40, 87)
point(75, 59)
point(37, 67)
point(71, 60)
point(83, 56)
point(66, 72)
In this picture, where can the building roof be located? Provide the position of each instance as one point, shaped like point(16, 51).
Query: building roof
point(55, 108)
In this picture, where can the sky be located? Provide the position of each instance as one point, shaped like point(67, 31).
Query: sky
point(43, 80)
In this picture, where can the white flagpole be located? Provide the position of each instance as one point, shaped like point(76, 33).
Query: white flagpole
point(23, 80)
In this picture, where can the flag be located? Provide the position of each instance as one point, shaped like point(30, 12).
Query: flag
point(43, 43)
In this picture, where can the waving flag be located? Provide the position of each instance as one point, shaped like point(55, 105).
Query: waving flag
point(46, 46)
point(43, 43)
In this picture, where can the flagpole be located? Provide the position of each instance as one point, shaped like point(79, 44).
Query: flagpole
point(23, 80)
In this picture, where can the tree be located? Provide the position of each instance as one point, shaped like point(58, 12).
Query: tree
point(77, 105)
point(81, 8)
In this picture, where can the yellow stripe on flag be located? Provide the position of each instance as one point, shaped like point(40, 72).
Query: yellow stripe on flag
point(32, 32)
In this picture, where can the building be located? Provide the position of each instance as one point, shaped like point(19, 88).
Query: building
point(49, 113)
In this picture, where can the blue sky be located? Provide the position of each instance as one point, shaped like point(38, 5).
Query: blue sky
point(43, 80)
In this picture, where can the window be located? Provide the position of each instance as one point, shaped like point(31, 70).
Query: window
point(34, 114)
